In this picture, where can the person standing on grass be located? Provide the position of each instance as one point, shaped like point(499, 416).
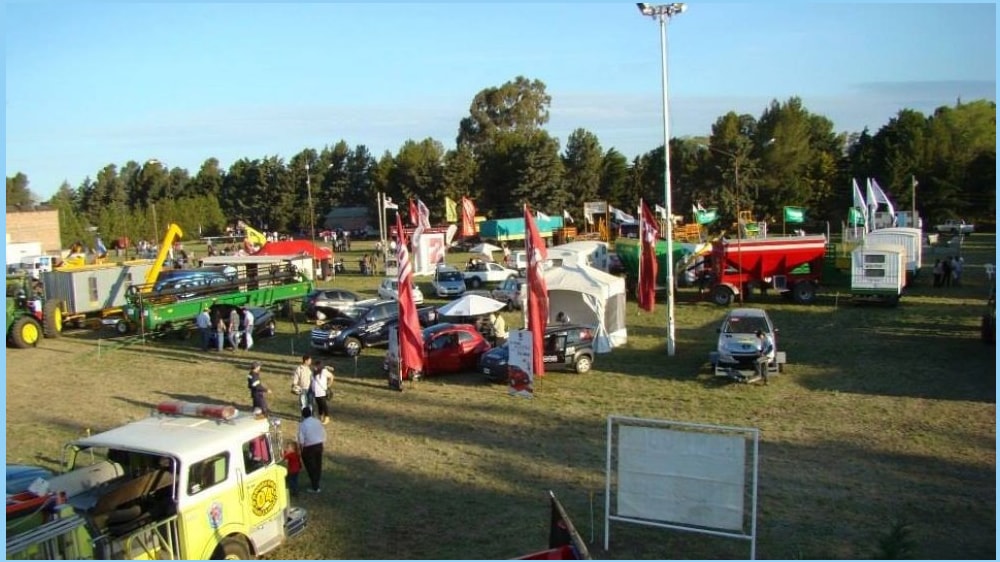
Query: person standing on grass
point(234, 328)
point(302, 382)
point(499, 326)
point(322, 383)
point(220, 332)
point(204, 323)
point(311, 436)
point(294, 462)
point(248, 327)
point(258, 392)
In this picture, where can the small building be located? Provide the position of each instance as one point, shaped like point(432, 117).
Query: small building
point(35, 226)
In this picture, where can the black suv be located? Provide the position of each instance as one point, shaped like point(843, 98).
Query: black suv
point(567, 347)
point(369, 327)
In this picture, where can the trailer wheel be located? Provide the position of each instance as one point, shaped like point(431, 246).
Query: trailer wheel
point(722, 295)
point(53, 318)
point(25, 332)
point(804, 292)
point(232, 548)
point(122, 327)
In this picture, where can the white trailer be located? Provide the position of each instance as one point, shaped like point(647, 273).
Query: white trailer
point(17, 251)
point(591, 253)
point(878, 272)
point(92, 291)
point(909, 238)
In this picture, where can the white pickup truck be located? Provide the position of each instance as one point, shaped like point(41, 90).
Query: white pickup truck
point(482, 273)
point(955, 226)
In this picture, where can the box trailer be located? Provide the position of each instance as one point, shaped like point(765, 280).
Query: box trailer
point(909, 238)
point(92, 291)
point(878, 272)
point(513, 228)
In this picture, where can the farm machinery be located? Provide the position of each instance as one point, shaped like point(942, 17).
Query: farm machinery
point(793, 265)
point(29, 317)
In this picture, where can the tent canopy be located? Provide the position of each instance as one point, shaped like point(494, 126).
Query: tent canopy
point(296, 247)
point(589, 296)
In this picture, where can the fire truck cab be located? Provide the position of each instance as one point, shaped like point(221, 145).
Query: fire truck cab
point(191, 481)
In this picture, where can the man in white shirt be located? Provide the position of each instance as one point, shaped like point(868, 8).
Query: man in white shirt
point(248, 327)
point(204, 323)
point(311, 437)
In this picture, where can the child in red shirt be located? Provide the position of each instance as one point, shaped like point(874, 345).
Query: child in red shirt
point(291, 457)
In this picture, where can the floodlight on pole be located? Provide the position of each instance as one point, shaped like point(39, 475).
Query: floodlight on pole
point(662, 13)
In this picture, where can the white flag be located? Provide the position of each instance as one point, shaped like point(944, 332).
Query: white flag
point(542, 216)
point(661, 211)
point(859, 201)
point(388, 204)
point(881, 197)
point(567, 216)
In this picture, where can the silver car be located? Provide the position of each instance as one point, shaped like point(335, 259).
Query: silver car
point(738, 347)
point(512, 291)
point(448, 282)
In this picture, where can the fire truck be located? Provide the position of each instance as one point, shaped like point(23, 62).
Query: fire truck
point(191, 481)
point(792, 265)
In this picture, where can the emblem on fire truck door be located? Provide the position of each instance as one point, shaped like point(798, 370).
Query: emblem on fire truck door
point(264, 498)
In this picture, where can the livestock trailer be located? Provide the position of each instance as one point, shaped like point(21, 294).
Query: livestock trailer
point(909, 238)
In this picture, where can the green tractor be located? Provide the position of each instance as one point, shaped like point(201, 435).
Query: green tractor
point(27, 319)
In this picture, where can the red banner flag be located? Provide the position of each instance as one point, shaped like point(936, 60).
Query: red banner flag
point(538, 293)
point(414, 216)
point(411, 338)
point(649, 232)
point(468, 217)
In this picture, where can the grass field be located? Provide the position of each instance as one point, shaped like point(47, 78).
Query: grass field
point(883, 419)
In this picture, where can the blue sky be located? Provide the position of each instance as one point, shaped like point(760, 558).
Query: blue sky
point(89, 84)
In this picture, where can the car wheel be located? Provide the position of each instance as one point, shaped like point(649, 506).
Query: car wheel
point(352, 346)
point(122, 327)
point(475, 283)
point(722, 295)
point(583, 364)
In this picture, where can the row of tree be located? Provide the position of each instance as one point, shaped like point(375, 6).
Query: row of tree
point(503, 157)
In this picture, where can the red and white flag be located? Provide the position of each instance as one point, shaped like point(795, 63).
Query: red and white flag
point(538, 293)
point(423, 220)
point(414, 216)
point(468, 217)
point(411, 338)
point(649, 232)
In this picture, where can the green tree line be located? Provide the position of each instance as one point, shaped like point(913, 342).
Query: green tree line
point(504, 157)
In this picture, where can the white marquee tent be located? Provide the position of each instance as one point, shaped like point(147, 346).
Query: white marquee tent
point(589, 296)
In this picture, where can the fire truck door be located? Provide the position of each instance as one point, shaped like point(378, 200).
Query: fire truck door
point(264, 493)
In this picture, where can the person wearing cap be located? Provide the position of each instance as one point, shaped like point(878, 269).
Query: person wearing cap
point(258, 392)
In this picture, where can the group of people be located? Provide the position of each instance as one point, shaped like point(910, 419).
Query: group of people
point(236, 327)
point(312, 382)
point(368, 263)
point(494, 328)
point(948, 272)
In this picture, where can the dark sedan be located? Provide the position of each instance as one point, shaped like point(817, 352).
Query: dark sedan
point(324, 304)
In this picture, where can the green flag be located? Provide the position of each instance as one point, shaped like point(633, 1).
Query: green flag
point(795, 214)
point(707, 217)
point(855, 217)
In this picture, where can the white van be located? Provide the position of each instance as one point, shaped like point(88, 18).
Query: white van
point(36, 265)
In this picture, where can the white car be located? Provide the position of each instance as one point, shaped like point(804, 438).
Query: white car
point(389, 289)
point(737, 347)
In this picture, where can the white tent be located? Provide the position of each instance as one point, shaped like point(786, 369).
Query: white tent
point(589, 296)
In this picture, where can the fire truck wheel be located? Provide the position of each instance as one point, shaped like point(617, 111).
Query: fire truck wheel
point(52, 314)
point(232, 548)
point(804, 292)
point(722, 295)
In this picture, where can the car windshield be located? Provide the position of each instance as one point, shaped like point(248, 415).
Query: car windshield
point(745, 325)
point(450, 276)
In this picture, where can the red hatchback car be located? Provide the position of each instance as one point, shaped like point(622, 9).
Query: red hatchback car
point(449, 348)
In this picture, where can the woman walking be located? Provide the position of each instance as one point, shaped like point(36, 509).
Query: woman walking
point(322, 388)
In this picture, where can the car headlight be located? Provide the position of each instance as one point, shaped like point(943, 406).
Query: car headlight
point(333, 334)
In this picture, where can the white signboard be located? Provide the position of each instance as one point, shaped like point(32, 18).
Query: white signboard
point(519, 362)
point(430, 250)
point(682, 477)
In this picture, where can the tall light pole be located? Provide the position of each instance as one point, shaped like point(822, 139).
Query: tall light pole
point(662, 13)
point(312, 215)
